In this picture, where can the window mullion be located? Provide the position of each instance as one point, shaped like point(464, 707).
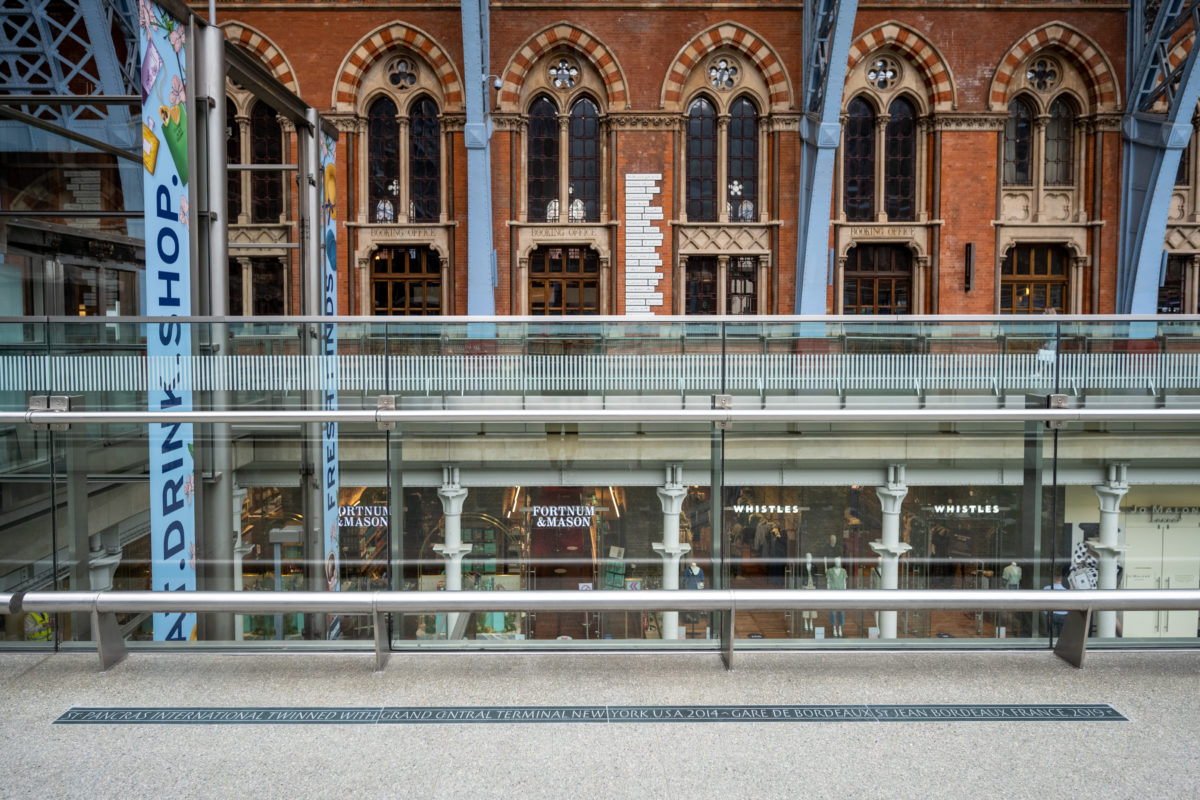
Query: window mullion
point(402, 213)
point(564, 166)
point(722, 170)
point(881, 123)
point(1038, 165)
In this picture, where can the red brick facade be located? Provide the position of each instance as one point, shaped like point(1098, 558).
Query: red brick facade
point(645, 58)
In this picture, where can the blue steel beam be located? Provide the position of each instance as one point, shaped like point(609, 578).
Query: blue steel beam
point(1154, 141)
point(477, 134)
point(828, 25)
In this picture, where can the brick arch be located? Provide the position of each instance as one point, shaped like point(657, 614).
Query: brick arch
point(588, 46)
point(934, 71)
point(744, 41)
point(1081, 51)
point(379, 43)
point(257, 44)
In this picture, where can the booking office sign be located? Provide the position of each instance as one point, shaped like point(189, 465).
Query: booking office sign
point(330, 516)
point(164, 82)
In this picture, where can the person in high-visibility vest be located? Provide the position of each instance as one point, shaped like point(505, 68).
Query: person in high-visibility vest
point(38, 627)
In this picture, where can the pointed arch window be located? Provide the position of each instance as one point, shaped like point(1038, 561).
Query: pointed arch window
point(543, 161)
point(1018, 144)
point(266, 147)
point(583, 163)
point(702, 161)
point(743, 161)
point(1060, 135)
point(383, 159)
point(858, 168)
point(900, 161)
point(233, 154)
point(424, 161)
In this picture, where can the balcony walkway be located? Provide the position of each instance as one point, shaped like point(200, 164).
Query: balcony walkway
point(1152, 753)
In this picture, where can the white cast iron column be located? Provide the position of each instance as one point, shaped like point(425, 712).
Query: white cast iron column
point(889, 547)
point(452, 496)
point(669, 548)
point(1109, 547)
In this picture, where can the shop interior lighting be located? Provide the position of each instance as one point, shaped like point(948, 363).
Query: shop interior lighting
point(616, 507)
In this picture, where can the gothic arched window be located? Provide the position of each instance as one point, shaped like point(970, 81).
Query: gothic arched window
point(702, 161)
point(424, 161)
point(858, 168)
point(383, 160)
point(900, 161)
point(1018, 144)
point(266, 147)
point(543, 161)
point(742, 199)
point(583, 163)
point(1060, 136)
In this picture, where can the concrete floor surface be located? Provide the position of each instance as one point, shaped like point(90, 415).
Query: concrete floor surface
point(1157, 752)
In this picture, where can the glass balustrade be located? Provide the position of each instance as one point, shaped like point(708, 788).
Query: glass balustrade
point(506, 496)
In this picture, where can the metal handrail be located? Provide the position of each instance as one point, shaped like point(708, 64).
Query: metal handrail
point(1071, 645)
point(1009, 415)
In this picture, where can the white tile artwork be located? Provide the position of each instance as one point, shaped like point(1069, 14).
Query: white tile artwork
point(643, 263)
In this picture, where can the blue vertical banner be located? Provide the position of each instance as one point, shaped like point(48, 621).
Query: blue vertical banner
point(329, 400)
point(169, 294)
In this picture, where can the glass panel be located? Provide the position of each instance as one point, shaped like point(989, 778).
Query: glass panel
point(742, 191)
point(702, 162)
point(542, 161)
point(1018, 144)
point(424, 161)
point(900, 168)
point(584, 167)
point(266, 147)
point(383, 159)
point(859, 162)
point(1060, 135)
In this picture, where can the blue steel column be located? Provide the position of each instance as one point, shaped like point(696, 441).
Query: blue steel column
point(477, 134)
point(1154, 143)
point(828, 25)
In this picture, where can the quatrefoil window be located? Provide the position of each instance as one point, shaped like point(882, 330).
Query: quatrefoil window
point(402, 73)
point(1042, 74)
point(883, 73)
point(564, 74)
point(723, 74)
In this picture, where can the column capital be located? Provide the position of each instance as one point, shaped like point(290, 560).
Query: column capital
point(886, 550)
point(672, 496)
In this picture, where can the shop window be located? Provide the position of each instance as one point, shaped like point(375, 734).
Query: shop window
point(701, 285)
point(878, 280)
point(406, 281)
point(424, 161)
point(266, 147)
point(742, 191)
point(704, 276)
point(1178, 293)
point(1034, 280)
point(702, 161)
point(564, 281)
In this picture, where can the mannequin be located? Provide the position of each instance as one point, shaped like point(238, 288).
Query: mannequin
point(835, 578)
point(808, 616)
point(1011, 576)
point(693, 576)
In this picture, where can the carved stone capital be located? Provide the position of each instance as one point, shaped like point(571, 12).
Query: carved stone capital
point(633, 121)
point(345, 123)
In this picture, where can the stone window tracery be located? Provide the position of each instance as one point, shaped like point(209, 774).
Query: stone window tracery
point(723, 74)
point(564, 74)
point(883, 73)
point(1043, 74)
point(402, 73)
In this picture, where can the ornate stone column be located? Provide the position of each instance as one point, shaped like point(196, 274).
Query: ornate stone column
point(889, 547)
point(722, 168)
point(1108, 548)
point(671, 494)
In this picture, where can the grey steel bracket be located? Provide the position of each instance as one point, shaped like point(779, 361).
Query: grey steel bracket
point(57, 403)
point(385, 402)
point(1072, 642)
point(1056, 401)
point(382, 646)
point(110, 643)
point(723, 402)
